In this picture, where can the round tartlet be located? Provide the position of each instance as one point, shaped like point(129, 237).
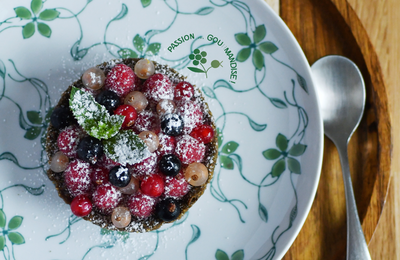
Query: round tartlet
point(137, 224)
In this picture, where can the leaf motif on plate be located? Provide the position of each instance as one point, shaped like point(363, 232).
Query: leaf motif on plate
point(44, 29)
point(28, 30)
point(49, 14)
point(23, 13)
point(36, 6)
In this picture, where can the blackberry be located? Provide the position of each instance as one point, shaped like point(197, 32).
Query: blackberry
point(61, 117)
point(109, 99)
point(170, 165)
point(90, 149)
point(168, 209)
point(119, 176)
point(172, 124)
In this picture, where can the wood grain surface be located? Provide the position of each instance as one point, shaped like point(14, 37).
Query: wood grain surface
point(339, 27)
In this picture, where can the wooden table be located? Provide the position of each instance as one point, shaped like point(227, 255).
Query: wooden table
point(381, 20)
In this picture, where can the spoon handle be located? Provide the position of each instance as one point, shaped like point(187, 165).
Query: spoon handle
point(357, 248)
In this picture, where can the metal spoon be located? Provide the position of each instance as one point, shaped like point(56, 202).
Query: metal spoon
point(341, 95)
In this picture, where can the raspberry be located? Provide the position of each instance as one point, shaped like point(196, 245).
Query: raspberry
point(106, 197)
point(191, 114)
point(145, 167)
point(68, 140)
point(106, 162)
point(176, 187)
point(203, 133)
point(157, 87)
point(141, 205)
point(122, 80)
point(152, 185)
point(147, 121)
point(81, 206)
point(77, 177)
point(183, 91)
point(189, 150)
point(167, 144)
point(99, 175)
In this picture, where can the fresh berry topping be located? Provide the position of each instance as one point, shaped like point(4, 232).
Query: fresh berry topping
point(157, 87)
point(190, 150)
point(132, 187)
point(152, 185)
point(176, 187)
point(106, 197)
point(191, 114)
point(196, 174)
point(59, 162)
point(170, 165)
point(93, 78)
point(183, 91)
point(203, 133)
point(167, 144)
point(168, 209)
point(144, 68)
point(61, 117)
point(121, 217)
point(68, 140)
point(110, 100)
point(141, 205)
point(136, 99)
point(165, 106)
point(146, 121)
point(77, 177)
point(106, 162)
point(119, 176)
point(172, 124)
point(121, 79)
point(99, 176)
point(145, 167)
point(150, 139)
point(81, 206)
point(130, 115)
point(90, 149)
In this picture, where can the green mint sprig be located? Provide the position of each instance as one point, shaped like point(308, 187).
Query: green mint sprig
point(92, 116)
point(126, 148)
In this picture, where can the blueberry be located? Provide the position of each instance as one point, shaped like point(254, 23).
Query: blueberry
point(90, 149)
point(168, 209)
point(170, 165)
point(109, 99)
point(61, 117)
point(119, 176)
point(172, 124)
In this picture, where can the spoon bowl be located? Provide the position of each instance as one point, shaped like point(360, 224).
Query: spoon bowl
point(341, 96)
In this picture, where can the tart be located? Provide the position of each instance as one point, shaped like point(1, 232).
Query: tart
point(131, 145)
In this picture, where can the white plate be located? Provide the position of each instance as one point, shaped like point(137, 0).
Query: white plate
point(257, 201)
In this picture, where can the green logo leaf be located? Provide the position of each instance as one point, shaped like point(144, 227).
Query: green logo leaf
point(297, 149)
point(15, 222)
point(16, 238)
point(36, 6)
point(197, 70)
point(243, 54)
point(44, 30)
point(271, 154)
point(92, 116)
point(49, 15)
point(221, 255)
point(34, 117)
point(243, 39)
point(127, 53)
point(230, 147)
point(28, 30)
point(258, 59)
point(268, 47)
point(138, 42)
point(154, 48)
point(259, 33)
point(145, 3)
point(281, 142)
point(126, 148)
point(294, 165)
point(23, 13)
point(2, 219)
point(278, 168)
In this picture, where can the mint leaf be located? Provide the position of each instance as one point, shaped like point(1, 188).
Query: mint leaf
point(126, 148)
point(92, 116)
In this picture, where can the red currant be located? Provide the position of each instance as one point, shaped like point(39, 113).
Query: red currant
point(183, 91)
point(130, 115)
point(81, 206)
point(203, 133)
point(152, 185)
